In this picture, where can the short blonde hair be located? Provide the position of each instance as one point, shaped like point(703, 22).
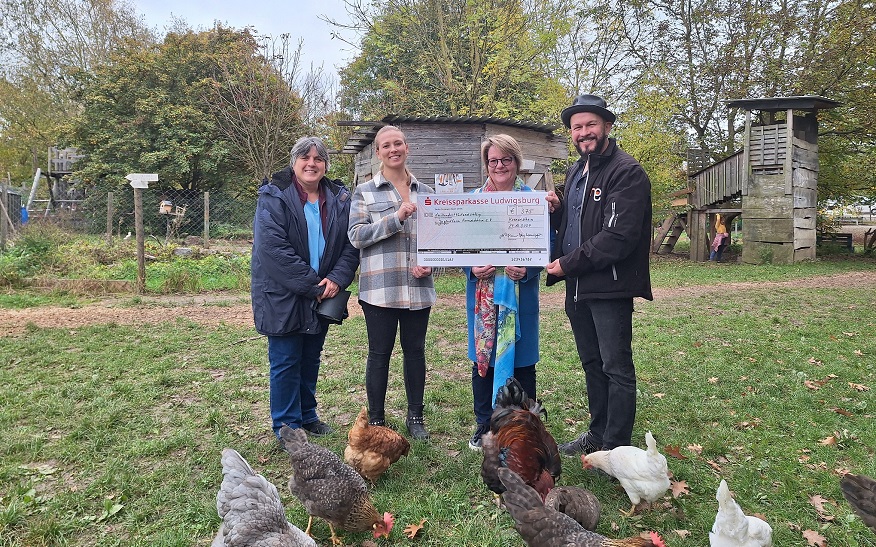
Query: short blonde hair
point(505, 143)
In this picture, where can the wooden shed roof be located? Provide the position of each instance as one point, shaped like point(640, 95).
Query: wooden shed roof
point(363, 136)
point(774, 104)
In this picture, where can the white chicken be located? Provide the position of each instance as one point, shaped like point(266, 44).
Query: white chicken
point(733, 528)
point(251, 511)
point(643, 474)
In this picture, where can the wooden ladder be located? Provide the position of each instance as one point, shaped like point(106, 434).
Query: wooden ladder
point(669, 232)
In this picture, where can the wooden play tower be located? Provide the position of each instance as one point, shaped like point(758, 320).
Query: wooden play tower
point(771, 184)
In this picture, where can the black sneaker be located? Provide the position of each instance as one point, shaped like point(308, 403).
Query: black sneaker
point(475, 443)
point(582, 445)
point(318, 428)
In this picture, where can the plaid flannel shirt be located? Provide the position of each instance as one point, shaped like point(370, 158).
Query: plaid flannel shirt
point(388, 247)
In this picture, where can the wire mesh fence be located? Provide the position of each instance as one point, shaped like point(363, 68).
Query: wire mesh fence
point(178, 215)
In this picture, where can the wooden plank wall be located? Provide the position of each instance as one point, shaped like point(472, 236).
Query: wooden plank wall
point(778, 225)
point(718, 182)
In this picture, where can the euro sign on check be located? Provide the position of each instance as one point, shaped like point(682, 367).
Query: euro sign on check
point(496, 228)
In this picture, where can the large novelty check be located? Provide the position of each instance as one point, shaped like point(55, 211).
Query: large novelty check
point(498, 228)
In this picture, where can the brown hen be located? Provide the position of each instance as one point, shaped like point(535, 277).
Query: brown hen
point(330, 489)
point(371, 449)
point(519, 441)
point(541, 526)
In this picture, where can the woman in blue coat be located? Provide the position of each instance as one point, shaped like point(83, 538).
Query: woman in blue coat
point(300, 256)
point(487, 290)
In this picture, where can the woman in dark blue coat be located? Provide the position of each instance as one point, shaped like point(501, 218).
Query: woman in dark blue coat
point(300, 256)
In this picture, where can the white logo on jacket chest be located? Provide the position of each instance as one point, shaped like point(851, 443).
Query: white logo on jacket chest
point(596, 193)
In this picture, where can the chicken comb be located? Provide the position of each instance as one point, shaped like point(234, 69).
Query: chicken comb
point(656, 539)
point(390, 521)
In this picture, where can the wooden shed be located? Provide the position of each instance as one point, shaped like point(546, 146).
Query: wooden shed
point(452, 145)
point(771, 183)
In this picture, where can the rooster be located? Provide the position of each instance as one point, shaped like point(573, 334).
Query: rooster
point(371, 449)
point(644, 474)
point(251, 511)
point(860, 492)
point(330, 489)
point(519, 441)
point(576, 502)
point(542, 526)
point(733, 528)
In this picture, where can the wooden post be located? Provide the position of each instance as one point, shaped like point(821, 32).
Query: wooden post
point(4, 201)
point(206, 220)
point(141, 240)
point(110, 211)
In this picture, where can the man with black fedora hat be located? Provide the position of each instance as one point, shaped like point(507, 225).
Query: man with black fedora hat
point(602, 250)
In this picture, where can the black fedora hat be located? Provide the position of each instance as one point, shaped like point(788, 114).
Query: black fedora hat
point(588, 103)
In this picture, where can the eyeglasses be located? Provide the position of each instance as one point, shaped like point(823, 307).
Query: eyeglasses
point(494, 162)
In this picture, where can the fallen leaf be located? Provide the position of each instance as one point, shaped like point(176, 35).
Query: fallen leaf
point(682, 533)
point(814, 361)
point(858, 387)
point(679, 488)
point(659, 395)
point(828, 441)
point(713, 465)
point(412, 530)
point(674, 451)
point(814, 539)
point(614, 526)
point(695, 448)
point(818, 502)
point(849, 333)
point(713, 380)
point(814, 386)
point(843, 411)
point(859, 352)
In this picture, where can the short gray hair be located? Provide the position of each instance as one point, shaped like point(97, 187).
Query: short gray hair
point(302, 148)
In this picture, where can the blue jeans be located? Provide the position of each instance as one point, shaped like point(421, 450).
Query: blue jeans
point(482, 389)
point(603, 332)
point(294, 361)
point(382, 325)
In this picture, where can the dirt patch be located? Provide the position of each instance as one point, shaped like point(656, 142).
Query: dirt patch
point(234, 310)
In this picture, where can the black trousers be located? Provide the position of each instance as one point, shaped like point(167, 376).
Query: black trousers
point(603, 332)
point(382, 325)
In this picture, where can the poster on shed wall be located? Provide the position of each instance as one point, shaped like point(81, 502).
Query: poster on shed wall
point(448, 183)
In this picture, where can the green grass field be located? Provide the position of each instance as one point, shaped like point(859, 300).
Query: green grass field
point(111, 434)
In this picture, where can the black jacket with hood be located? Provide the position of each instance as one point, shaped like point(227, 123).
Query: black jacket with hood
point(612, 259)
point(284, 286)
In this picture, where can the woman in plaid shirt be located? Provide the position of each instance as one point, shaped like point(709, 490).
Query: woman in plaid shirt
point(395, 293)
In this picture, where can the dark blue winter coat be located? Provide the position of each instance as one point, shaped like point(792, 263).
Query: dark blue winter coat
point(284, 286)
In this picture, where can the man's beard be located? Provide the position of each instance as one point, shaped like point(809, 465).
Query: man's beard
point(600, 146)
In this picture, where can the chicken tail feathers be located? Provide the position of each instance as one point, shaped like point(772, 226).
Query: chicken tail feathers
point(512, 395)
point(860, 492)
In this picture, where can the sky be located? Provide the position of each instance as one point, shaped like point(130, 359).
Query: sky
point(299, 18)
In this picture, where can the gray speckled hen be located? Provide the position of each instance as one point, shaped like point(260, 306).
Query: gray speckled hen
point(576, 502)
point(860, 492)
point(541, 526)
point(330, 489)
point(251, 511)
